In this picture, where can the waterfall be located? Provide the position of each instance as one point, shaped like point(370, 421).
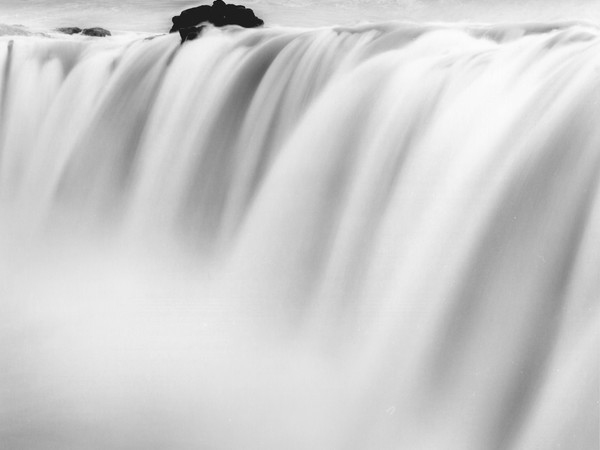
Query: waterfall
point(377, 237)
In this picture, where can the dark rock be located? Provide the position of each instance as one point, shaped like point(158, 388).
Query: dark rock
point(96, 31)
point(69, 30)
point(191, 17)
point(219, 14)
point(190, 33)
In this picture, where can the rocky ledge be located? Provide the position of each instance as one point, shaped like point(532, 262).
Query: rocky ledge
point(188, 23)
point(96, 31)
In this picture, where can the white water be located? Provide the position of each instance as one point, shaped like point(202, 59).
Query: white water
point(374, 238)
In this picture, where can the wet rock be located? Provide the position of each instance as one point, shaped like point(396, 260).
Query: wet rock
point(190, 33)
point(219, 14)
point(224, 14)
point(191, 17)
point(96, 31)
point(69, 30)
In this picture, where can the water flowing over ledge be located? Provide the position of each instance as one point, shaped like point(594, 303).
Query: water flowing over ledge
point(380, 237)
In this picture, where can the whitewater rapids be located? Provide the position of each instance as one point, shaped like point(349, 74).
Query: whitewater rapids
point(378, 237)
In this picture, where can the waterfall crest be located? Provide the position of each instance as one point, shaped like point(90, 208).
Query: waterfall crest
point(373, 237)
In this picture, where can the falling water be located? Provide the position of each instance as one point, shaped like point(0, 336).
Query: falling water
point(379, 237)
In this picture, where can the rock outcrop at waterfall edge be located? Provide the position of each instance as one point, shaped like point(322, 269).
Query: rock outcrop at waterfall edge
point(191, 33)
point(219, 14)
point(69, 30)
point(95, 31)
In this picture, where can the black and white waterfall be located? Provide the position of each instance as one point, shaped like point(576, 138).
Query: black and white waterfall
point(376, 237)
